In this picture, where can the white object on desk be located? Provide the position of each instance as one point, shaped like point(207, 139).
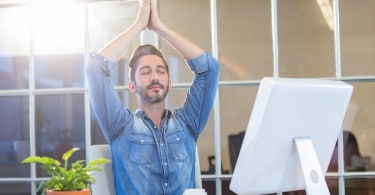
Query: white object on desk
point(284, 109)
point(104, 179)
point(315, 182)
point(195, 191)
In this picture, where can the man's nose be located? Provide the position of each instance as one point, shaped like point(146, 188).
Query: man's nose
point(154, 76)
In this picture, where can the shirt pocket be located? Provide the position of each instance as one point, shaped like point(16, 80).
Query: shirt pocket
point(176, 145)
point(142, 149)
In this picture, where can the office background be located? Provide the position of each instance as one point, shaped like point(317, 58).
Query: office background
point(44, 46)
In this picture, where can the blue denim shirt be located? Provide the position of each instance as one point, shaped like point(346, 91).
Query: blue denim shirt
point(145, 159)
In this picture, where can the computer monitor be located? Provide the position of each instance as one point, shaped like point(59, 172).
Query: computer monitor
point(285, 109)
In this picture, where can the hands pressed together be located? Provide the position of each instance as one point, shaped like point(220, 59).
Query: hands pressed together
point(148, 16)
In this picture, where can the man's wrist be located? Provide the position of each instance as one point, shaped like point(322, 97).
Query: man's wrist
point(138, 26)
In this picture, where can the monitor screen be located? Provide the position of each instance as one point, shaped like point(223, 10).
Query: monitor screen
point(286, 108)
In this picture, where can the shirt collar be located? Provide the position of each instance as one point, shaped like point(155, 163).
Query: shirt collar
point(142, 114)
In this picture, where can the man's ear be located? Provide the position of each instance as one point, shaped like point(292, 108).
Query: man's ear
point(131, 86)
point(169, 84)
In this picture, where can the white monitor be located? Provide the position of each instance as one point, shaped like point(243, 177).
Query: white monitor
point(284, 109)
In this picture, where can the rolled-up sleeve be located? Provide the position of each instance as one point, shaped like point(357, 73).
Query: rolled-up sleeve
point(199, 64)
point(105, 101)
point(99, 66)
point(201, 95)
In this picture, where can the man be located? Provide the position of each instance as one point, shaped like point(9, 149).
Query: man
point(153, 149)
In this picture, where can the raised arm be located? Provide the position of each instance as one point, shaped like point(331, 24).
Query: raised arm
point(116, 47)
point(196, 109)
point(105, 101)
point(186, 48)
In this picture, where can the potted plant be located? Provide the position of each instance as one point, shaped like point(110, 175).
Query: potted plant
point(67, 178)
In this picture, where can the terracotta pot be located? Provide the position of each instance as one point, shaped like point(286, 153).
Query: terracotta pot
point(82, 192)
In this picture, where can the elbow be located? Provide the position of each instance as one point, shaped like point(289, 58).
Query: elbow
point(93, 65)
point(97, 65)
point(215, 68)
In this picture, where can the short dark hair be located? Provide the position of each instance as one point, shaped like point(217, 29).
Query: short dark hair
point(141, 51)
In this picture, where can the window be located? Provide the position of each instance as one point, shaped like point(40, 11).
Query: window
point(44, 103)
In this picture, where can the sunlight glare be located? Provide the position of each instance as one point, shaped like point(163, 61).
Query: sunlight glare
point(57, 26)
point(327, 11)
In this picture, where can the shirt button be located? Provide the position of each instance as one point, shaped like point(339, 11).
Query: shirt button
point(165, 164)
point(178, 139)
point(154, 126)
point(162, 144)
point(165, 184)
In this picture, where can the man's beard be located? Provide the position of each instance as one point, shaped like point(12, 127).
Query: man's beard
point(155, 97)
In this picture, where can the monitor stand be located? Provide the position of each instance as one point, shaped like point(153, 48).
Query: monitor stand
point(315, 182)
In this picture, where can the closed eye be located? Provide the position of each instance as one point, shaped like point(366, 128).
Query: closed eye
point(145, 70)
point(161, 69)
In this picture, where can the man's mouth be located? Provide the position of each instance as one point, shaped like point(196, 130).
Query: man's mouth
point(155, 87)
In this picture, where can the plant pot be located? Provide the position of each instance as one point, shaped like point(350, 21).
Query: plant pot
point(81, 192)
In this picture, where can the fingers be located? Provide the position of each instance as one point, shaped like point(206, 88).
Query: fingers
point(143, 2)
point(154, 21)
point(144, 13)
point(153, 8)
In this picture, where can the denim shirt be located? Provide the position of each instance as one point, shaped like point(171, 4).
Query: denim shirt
point(145, 159)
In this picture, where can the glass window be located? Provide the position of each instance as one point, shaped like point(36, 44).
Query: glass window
point(357, 37)
point(60, 125)
point(236, 104)
point(59, 70)
point(359, 186)
point(106, 20)
point(333, 185)
point(192, 20)
point(14, 48)
point(206, 147)
point(54, 30)
point(14, 72)
point(306, 41)
point(14, 139)
point(245, 40)
point(15, 188)
point(46, 44)
point(58, 40)
point(14, 35)
point(361, 123)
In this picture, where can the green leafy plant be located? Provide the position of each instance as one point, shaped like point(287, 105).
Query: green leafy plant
point(69, 177)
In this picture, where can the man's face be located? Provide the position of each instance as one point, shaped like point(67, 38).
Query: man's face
point(151, 79)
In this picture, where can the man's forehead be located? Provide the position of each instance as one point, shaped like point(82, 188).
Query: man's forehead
point(150, 66)
point(151, 60)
